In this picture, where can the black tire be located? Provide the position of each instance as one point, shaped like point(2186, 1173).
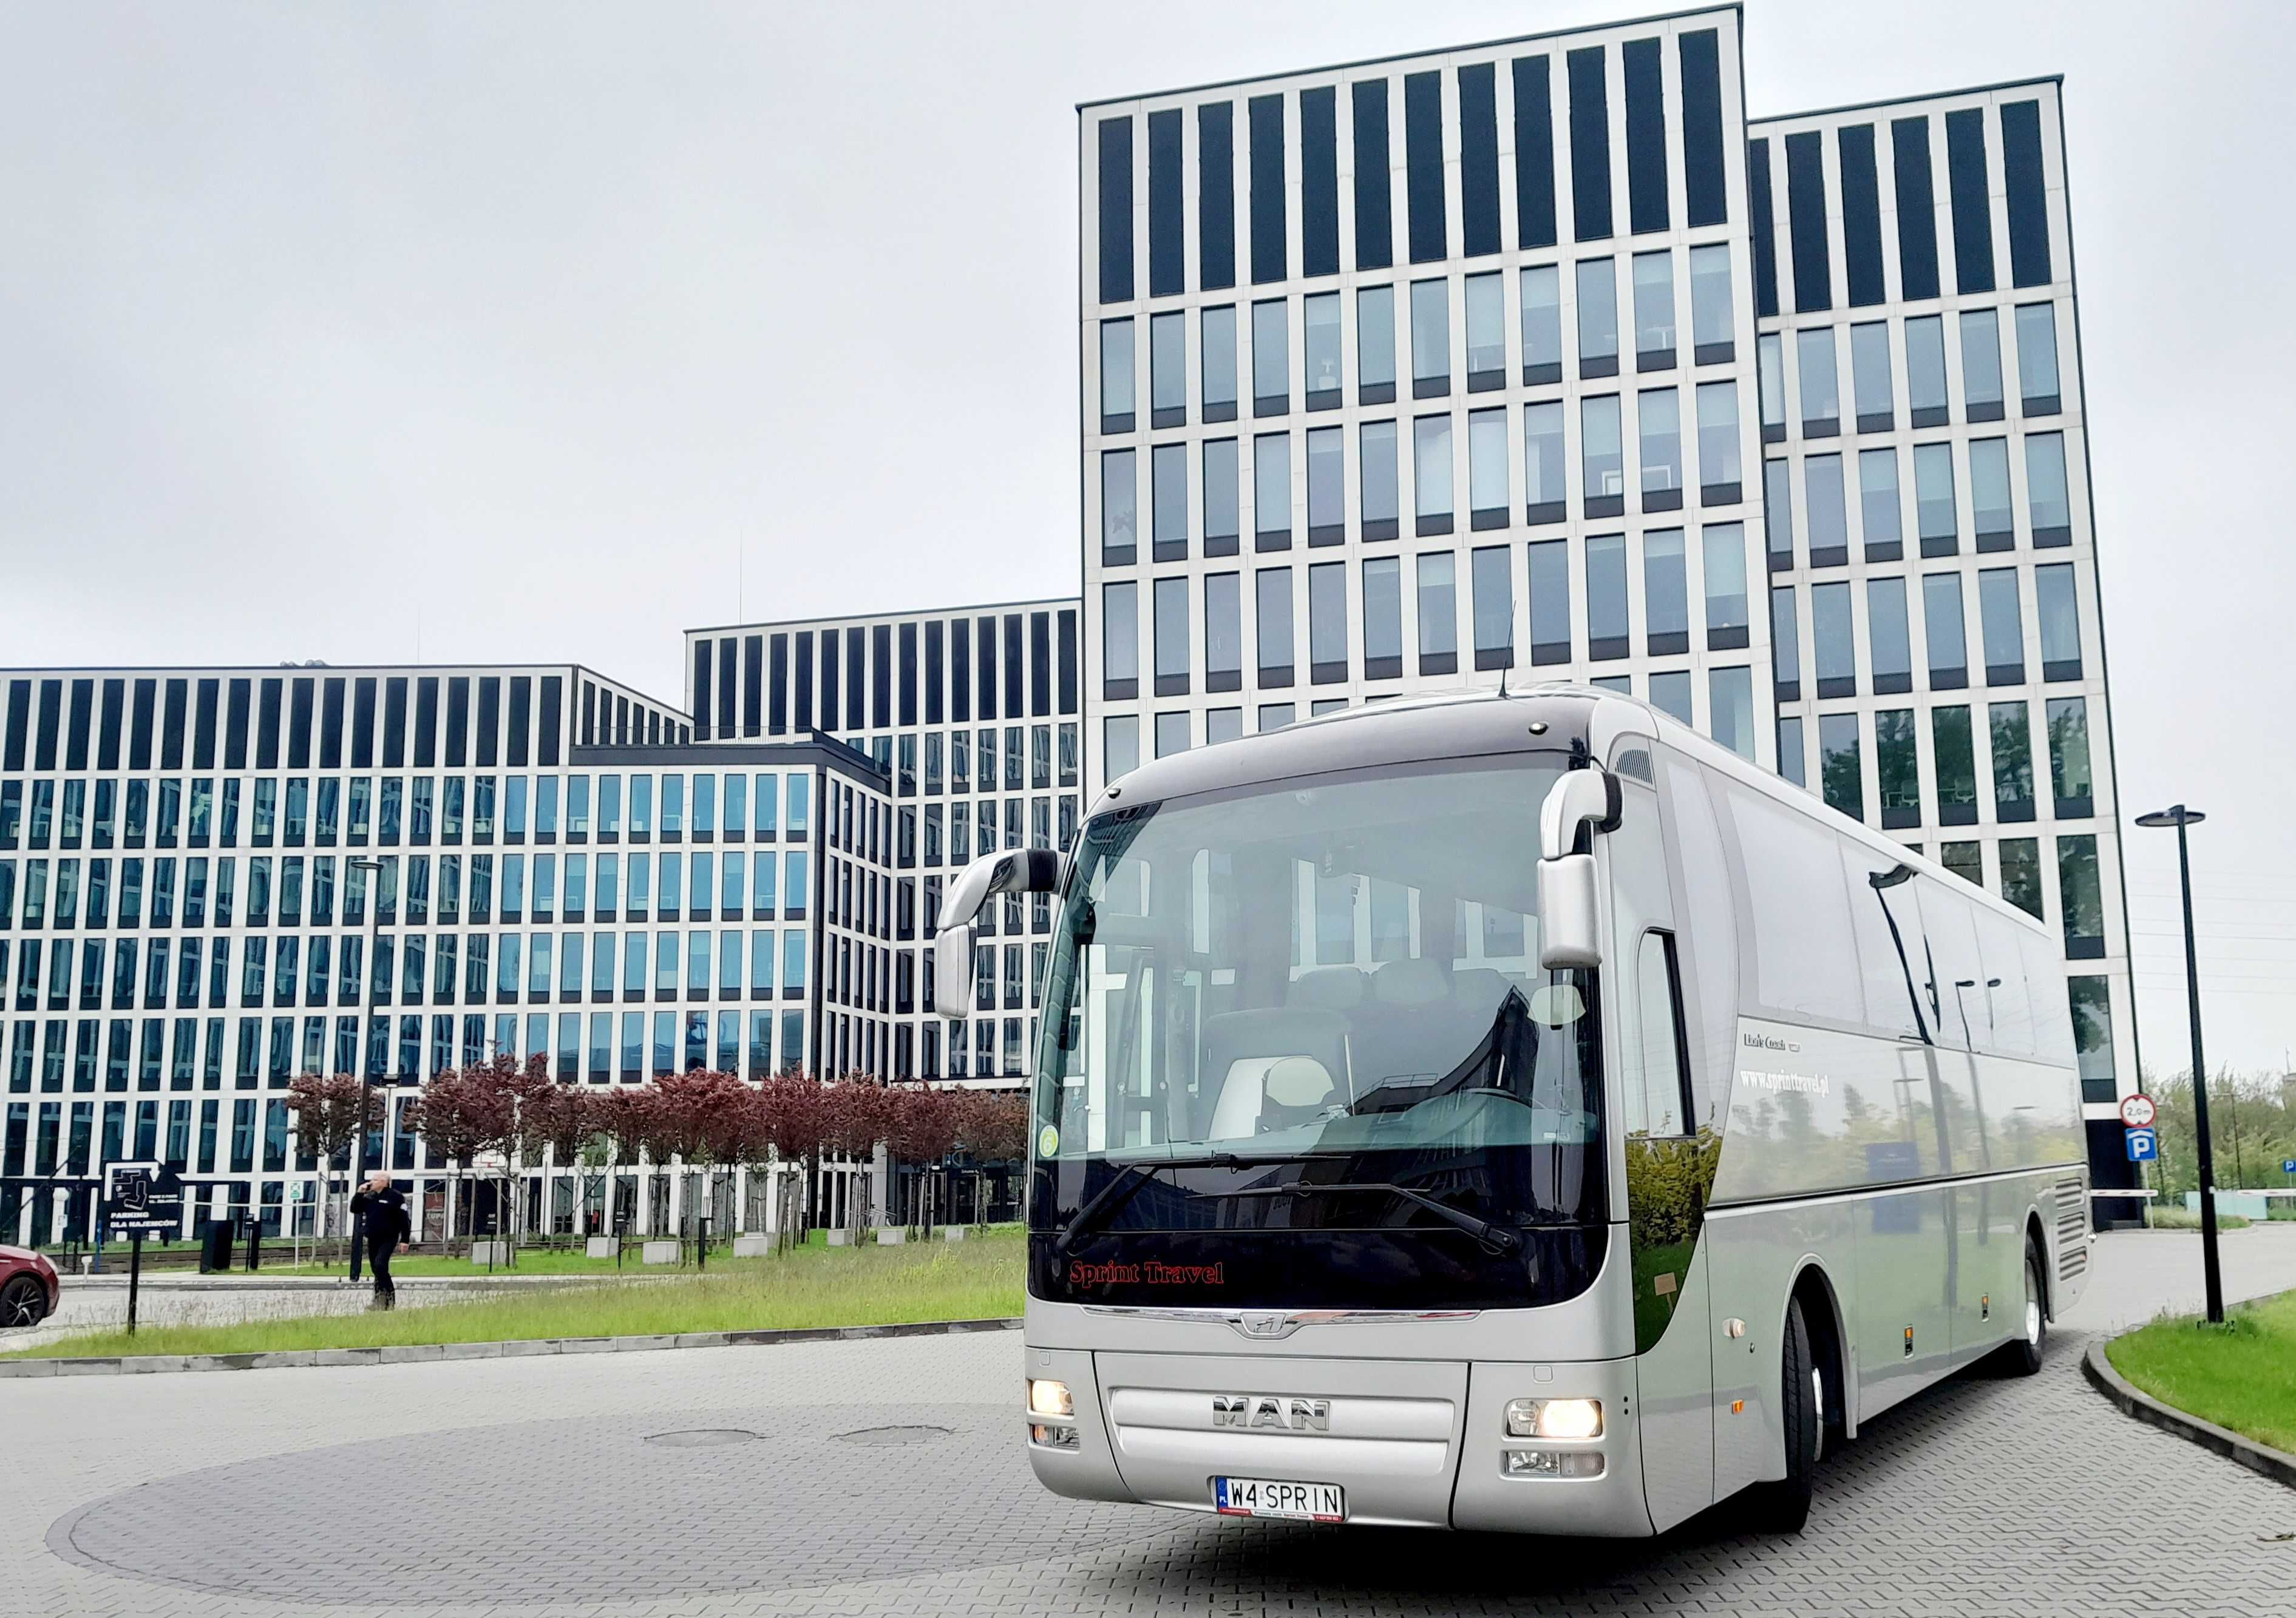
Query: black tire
point(23, 1302)
point(1783, 1507)
point(2023, 1354)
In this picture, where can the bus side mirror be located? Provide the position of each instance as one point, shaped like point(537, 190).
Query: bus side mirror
point(1014, 870)
point(1569, 911)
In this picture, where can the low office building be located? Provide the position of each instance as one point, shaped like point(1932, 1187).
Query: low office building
point(210, 879)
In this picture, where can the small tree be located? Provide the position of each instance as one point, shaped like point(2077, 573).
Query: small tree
point(797, 1114)
point(329, 1111)
point(462, 1114)
point(566, 1120)
point(856, 1111)
point(991, 1128)
point(921, 1129)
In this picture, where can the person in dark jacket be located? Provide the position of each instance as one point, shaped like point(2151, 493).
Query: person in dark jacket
point(388, 1230)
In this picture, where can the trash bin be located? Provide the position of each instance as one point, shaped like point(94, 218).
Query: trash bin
point(214, 1247)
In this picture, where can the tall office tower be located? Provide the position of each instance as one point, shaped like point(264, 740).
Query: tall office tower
point(210, 877)
point(1529, 360)
point(969, 716)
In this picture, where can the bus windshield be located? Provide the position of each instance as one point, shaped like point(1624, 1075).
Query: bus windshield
point(1316, 1005)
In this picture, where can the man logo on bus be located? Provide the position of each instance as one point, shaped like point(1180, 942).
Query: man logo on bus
point(1266, 1410)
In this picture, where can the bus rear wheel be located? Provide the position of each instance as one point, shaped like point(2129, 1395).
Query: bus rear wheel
point(1783, 1507)
point(2022, 1355)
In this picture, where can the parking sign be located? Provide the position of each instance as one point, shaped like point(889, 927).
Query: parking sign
point(2144, 1145)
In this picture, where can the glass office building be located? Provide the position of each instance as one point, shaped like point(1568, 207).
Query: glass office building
point(1540, 359)
point(212, 881)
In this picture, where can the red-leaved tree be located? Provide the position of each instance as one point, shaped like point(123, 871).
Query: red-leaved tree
point(329, 1111)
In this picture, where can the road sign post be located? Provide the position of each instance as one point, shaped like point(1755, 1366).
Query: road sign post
point(140, 1199)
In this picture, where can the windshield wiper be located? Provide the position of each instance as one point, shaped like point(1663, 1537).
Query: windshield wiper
point(1496, 1238)
point(1122, 1187)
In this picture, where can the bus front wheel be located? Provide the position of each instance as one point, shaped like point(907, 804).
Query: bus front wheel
point(1783, 1507)
point(2022, 1355)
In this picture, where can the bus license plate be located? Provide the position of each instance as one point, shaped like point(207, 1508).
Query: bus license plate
point(1262, 1497)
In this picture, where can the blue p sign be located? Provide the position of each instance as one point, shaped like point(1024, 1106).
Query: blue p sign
point(2288, 1165)
point(2144, 1145)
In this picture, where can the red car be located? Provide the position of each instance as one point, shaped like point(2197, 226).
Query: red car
point(29, 1288)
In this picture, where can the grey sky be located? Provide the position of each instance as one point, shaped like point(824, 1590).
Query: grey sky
point(545, 332)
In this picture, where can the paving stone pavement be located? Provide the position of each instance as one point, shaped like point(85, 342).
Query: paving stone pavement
point(527, 1487)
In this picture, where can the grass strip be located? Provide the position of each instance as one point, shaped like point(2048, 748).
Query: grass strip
point(977, 1280)
point(2241, 1376)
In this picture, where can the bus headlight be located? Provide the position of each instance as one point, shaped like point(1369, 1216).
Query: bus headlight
point(1553, 1463)
point(1555, 1417)
point(1050, 1399)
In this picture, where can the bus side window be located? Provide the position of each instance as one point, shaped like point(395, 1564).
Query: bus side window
point(1658, 1085)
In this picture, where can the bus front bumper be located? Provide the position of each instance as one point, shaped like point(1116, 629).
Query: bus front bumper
point(1424, 1443)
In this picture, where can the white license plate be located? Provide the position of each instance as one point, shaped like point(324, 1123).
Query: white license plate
point(1262, 1497)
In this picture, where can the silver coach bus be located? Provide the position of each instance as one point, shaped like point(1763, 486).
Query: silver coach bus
point(1517, 1112)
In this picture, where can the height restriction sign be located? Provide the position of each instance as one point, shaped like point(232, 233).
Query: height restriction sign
point(2137, 1110)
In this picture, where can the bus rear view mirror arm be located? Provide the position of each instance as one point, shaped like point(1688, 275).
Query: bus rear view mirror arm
point(1013, 871)
point(1570, 929)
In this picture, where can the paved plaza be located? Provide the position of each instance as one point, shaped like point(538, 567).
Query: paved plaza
point(886, 1476)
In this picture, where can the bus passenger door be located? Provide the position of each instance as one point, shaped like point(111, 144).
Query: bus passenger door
point(1667, 1173)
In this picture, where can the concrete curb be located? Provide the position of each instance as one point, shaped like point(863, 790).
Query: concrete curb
point(2134, 1402)
point(419, 1353)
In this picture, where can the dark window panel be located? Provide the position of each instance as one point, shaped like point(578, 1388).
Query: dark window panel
point(1040, 665)
point(51, 728)
point(1812, 269)
point(1705, 191)
point(934, 655)
point(363, 692)
point(701, 673)
point(753, 685)
point(114, 720)
point(300, 698)
point(1861, 217)
point(267, 722)
point(2028, 194)
point(960, 660)
point(550, 723)
point(1319, 181)
point(20, 725)
point(984, 668)
point(1270, 254)
point(207, 719)
point(1590, 146)
point(1973, 213)
point(1215, 195)
point(801, 716)
point(1534, 154)
point(331, 720)
point(1478, 160)
point(1765, 229)
point(1422, 162)
point(1640, 61)
point(1374, 207)
point(1917, 260)
point(394, 723)
point(728, 688)
point(908, 676)
point(777, 716)
point(489, 723)
point(1014, 672)
point(82, 726)
point(831, 717)
point(880, 676)
point(172, 723)
point(1168, 244)
point(515, 749)
point(854, 653)
point(1116, 210)
point(1069, 659)
point(458, 724)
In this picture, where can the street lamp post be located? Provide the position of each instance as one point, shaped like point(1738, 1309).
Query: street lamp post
point(2180, 817)
point(373, 867)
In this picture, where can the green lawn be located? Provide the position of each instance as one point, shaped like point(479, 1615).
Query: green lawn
point(971, 1280)
point(551, 1261)
point(2242, 1376)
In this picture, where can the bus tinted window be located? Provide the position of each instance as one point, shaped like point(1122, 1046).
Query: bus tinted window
point(1956, 986)
point(1805, 951)
point(1892, 979)
point(2012, 1006)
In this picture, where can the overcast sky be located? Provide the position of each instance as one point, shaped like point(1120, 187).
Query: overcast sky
point(487, 333)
